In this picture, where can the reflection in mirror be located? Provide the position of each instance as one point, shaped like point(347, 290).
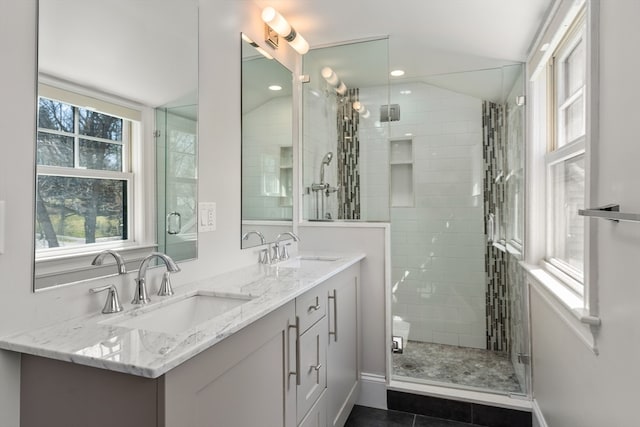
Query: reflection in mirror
point(267, 150)
point(344, 138)
point(100, 101)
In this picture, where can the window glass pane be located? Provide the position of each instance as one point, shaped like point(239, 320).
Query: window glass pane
point(55, 115)
point(76, 211)
point(55, 150)
point(100, 155)
point(575, 65)
point(99, 125)
point(574, 120)
point(567, 196)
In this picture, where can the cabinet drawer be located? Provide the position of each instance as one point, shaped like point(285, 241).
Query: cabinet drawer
point(317, 416)
point(312, 367)
point(311, 307)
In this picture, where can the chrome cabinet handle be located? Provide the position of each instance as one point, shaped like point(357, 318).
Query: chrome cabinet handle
point(314, 307)
point(297, 371)
point(334, 297)
point(316, 367)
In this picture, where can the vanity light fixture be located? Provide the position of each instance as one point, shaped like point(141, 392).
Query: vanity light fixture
point(361, 109)
point(274, 22)
point(256, 46)
point(332, 78)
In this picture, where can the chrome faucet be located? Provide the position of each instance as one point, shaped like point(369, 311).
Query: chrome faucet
point(280, 253)
point(246, 235)
point(140, 296)
point(264, 257)
point(120, 262)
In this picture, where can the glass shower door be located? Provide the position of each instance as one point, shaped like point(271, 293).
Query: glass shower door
point(176, 145)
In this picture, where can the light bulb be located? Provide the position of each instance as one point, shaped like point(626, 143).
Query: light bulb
point(276, 21)
point(299, 44)
point(330, 76)
point(342, 89)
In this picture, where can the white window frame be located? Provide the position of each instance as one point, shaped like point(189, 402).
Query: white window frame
point(576, 302)
point(76, 171)
point(140, 157)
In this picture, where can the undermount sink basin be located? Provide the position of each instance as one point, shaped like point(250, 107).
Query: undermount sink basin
point(184, 314)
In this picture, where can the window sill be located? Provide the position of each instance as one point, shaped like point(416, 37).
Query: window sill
point(54, 271)
point(568, 305)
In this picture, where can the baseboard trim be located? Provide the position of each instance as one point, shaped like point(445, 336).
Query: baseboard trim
point(538, 416)
point(373, 391)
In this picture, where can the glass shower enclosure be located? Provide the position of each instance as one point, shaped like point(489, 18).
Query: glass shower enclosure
point(439, 157)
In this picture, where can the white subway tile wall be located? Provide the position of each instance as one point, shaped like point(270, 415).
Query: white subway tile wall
point(437, 246)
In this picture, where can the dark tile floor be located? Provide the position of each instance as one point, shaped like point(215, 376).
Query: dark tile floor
point(362, 416)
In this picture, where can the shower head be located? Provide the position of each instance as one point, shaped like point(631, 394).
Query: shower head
point(325, 162)
point(327, 158)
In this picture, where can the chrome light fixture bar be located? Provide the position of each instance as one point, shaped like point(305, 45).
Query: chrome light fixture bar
point(275, 23)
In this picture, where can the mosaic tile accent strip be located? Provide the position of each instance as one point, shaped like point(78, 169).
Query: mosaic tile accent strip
point(464, 366)
point(497, 295)
point(348, 121)
point(519, 315)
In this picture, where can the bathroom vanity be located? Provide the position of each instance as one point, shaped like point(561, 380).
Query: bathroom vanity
point(282, 351)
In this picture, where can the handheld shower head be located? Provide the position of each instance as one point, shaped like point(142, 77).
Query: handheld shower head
point(325, 162)
point(327, 158)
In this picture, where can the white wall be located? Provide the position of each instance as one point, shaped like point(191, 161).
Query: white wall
point(219, 151)
point(574, 387)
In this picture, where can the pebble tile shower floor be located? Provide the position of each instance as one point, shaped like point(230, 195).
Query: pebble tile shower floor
point(457, 365)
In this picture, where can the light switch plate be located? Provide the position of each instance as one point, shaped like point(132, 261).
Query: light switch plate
point(207, 216)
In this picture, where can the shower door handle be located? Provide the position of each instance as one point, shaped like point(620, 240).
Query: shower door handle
point(174, 228)
point(490, 228)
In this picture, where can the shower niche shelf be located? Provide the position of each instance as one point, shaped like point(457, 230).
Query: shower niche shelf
point(286, 176)
point(401, 172)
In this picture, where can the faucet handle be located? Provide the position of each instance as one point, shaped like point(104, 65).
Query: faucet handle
point(264, 256)
point(112, 305)
point(284, 251)
point(166, 289)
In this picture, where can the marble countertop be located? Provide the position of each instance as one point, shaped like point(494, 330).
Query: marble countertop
point(101, 340)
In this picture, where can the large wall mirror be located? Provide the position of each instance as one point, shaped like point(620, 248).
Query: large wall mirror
point(267, 148)
point(116, 145)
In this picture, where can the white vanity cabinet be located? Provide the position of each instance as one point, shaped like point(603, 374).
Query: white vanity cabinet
point(343, 366)
point(297, 366)
point(242, 382)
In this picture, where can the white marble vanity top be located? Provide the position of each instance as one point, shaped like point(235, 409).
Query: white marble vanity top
point(99, 341)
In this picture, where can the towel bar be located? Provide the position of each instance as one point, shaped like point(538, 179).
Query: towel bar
point(610, 212)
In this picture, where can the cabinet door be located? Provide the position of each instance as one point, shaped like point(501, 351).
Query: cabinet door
point(242, 381)
point(313, 367)
point(342, 351)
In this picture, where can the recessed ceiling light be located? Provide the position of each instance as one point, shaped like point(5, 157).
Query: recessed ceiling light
point(408, 134)
point(275, 87)
point(397, 73)
point(405, 92)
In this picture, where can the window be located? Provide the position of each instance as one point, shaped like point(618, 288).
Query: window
point(84, 179)
point(565, 157)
